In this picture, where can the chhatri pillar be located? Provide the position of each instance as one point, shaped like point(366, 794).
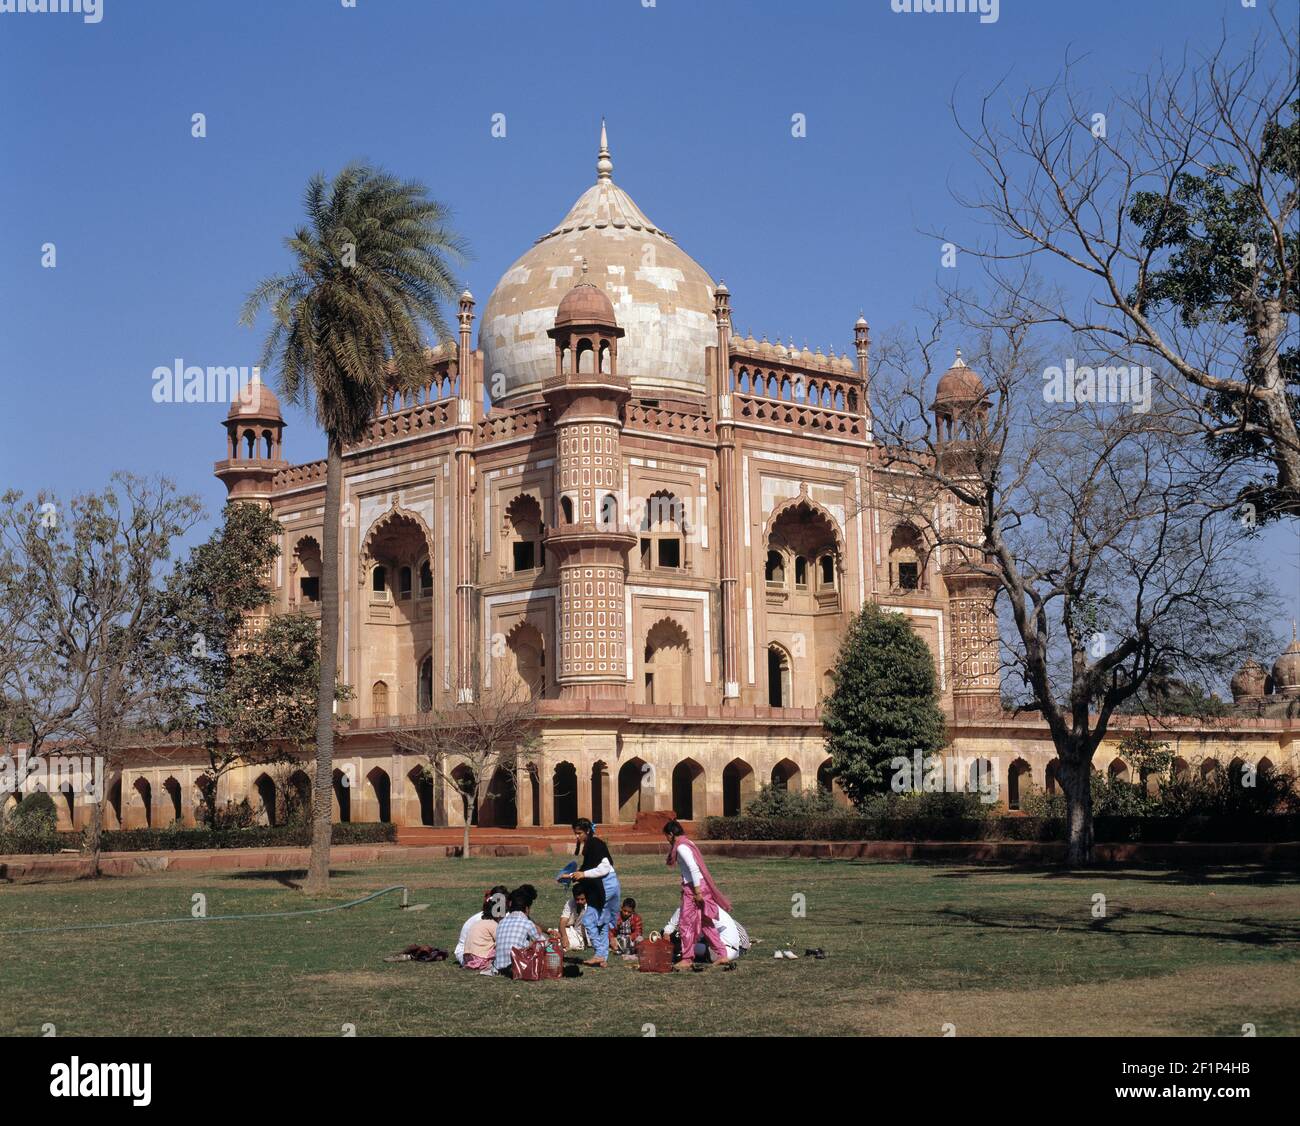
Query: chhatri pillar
point(589, 540)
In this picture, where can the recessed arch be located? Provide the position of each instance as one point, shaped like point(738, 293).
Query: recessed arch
point(394, 514)
point(739, 786)
point(422, 786)
point(1019, 782)
point(380, 793)
point(689, 790)
point(564, 793)
point(785, 775)
point(342, 799)
point(666, 663)
point(635, 791)
point(780, 677)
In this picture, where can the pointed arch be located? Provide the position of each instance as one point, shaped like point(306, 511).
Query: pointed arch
point(395, 512)
point(739, 785)
point(815, 512)
point(689, 790)
point(666, 663)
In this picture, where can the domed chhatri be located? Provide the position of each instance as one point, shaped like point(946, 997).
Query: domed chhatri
point(256, 400)
point(662, 298)
point(1286, 669)
point(960, 384)
point(1249, 682)
point(584, 304)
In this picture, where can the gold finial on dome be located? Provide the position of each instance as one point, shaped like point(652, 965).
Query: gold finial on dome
point(604, 162)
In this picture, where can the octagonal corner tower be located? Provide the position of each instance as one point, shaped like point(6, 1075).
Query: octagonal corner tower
point(662, 297)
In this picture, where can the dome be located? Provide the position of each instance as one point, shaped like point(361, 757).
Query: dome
point(1286, 669)
point(661, 297)
point(256, 400)
point(584, 304)
point(960, 384)
point(1249, 681)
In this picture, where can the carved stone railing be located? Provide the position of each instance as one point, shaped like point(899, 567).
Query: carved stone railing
point(425, 418)
point(297, 476)
point(500, 426)
point(800, 417)
point(669, 422)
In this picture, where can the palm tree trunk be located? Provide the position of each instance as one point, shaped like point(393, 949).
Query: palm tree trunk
point(318, 866)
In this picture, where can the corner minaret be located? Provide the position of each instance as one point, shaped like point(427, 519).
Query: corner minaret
point(727, 500)
point(588, 540)
point(960, 408)
point(254, 451)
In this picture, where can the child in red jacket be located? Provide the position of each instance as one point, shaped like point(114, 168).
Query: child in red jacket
point(626, 931)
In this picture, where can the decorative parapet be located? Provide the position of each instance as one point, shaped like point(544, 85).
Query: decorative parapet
point(798, 416)
point(299, 476)
point(503, 426)
point(669, 422)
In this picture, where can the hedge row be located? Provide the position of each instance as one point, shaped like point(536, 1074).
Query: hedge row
point(167, 840)
point(1220, 829)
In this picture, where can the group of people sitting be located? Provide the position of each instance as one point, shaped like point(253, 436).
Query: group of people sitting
point(595, 916)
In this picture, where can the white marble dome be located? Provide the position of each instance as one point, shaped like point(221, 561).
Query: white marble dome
point(662, 297)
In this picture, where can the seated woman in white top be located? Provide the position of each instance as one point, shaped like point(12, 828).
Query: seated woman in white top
point(494, 901)
point(734, 936)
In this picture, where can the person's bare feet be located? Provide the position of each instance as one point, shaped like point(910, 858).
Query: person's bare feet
point(598, 963)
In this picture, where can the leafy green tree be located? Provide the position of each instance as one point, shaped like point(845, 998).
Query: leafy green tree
point(1227, 258)
point(246, 683)
point(1173, 203)
point(885, 702)
point(213, 593)
point(371, 269)
point(272, 690)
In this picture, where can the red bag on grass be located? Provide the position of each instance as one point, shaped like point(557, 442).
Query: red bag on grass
point(538, 961)
point(655, 956)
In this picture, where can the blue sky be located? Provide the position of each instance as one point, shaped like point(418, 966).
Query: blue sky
point(160, 235)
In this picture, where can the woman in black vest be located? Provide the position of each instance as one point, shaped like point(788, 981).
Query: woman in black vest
point(596, 876)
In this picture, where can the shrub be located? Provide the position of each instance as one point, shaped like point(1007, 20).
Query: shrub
point(774, 801)
point(34, 817)
point(174, 839)
point(232, 816)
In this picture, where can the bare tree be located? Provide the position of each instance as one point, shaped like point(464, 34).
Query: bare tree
point(1095, 527)
point(492, 733)
point(1176, 207)
point(97, 619)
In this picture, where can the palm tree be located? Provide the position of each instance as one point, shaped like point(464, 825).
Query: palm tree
point(372, 267)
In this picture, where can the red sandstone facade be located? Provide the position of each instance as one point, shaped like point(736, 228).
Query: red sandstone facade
point(659, 527)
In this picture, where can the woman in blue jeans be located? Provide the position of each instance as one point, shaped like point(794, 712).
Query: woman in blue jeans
point(596, 876)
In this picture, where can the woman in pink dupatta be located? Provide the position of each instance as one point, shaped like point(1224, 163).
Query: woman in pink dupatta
point(701, 897)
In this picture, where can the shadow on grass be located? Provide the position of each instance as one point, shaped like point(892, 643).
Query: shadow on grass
point(1250, 932)
point(289, 877)
point(1226, 875)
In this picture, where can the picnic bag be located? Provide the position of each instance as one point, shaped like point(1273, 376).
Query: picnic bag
point(538, 961)
point(655, 955)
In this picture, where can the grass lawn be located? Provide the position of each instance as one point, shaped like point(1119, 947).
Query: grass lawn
point(910, 947)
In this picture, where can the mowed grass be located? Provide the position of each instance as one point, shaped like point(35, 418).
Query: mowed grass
point(910, 948)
